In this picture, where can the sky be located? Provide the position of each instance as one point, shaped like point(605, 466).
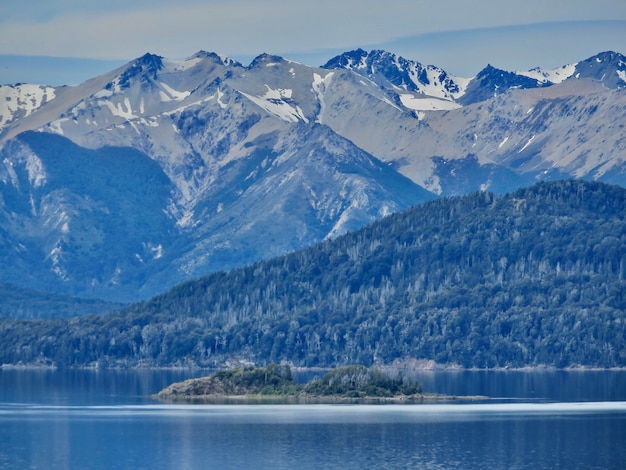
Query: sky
point(68, 41)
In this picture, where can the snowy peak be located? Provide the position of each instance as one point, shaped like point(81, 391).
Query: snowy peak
point(145, 68)
point(397, 73)
point(143, 94)
point(491, 82)
point(266, 60)
point(350, 60)
point(606, 67)
point(426, 87)
point(215, 58)
point(551, 76)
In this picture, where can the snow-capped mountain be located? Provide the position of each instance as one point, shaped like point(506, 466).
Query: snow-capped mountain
point(427, 87)
point(609, 68)
point(491, 82)
point(502, 128)
point(162, 170)
point(237, 162)
point(406, 77)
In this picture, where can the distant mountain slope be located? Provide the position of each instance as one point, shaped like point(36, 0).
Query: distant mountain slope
point(607, 67)
point(81, 221)
point(103, 223)
point(535, 277)
point(162, 170)
point(499, 130)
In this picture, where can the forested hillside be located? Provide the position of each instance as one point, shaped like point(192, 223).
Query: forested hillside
point(535, 277)
point(17, 302)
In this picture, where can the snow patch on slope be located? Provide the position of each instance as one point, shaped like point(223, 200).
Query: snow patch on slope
point(11, 172)
point(552, 75)
point(34, 168)
point(120, 110)
point(104, 93)
point(530, 141)
point(219, 95)
point(427, 104)
point(180, 109)
point(169, 94)
point(319, 88)
point(386, 100)
point(56, 127)
point(22, 100)
point(180, 65)
point(277, 102)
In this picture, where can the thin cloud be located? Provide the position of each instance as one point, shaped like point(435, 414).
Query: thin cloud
point(458, 35)
point(116, 29)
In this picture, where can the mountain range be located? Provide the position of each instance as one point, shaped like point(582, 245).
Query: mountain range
point(163, 170)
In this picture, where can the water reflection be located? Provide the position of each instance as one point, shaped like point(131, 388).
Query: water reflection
point(308, 414)
point(107, 420)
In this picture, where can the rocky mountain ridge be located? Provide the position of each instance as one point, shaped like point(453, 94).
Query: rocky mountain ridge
point(163, 170)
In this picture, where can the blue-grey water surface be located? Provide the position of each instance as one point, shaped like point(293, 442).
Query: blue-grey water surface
point(106, 419)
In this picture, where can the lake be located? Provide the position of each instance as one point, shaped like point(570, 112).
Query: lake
point(106, 419)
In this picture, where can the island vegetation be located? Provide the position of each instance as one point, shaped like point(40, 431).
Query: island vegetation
point(354, 383)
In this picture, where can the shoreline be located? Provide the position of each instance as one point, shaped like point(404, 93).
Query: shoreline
point(319, 369)
point(253, 399)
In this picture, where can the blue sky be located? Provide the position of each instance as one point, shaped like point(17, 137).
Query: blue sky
point(461, 36)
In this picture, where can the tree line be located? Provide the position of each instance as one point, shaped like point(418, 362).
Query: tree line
point(534, 277)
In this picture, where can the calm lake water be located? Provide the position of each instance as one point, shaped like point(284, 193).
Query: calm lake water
point(106, 419)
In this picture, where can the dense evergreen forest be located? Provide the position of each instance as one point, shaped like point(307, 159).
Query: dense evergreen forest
point(18, 302)
point(535, 277)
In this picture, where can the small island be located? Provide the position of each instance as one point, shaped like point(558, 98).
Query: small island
point(275, 384)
